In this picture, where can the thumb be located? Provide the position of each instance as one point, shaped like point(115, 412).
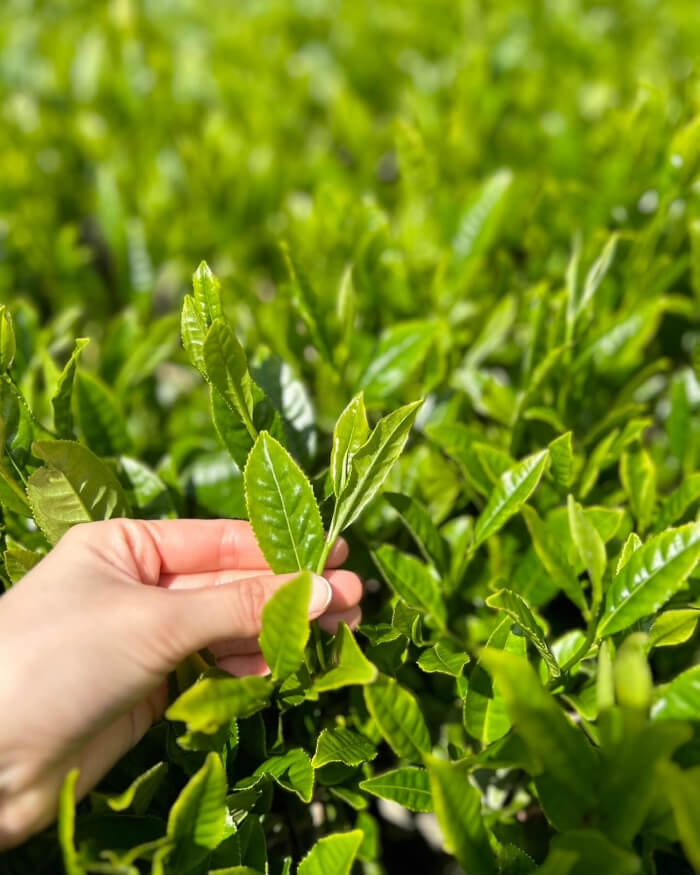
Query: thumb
point(200, 617)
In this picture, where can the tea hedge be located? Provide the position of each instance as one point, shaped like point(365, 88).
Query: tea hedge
point(453, 311)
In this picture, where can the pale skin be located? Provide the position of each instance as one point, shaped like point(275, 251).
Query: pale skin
point(88, 638)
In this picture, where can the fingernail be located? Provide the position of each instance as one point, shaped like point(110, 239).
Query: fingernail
point(321, 594)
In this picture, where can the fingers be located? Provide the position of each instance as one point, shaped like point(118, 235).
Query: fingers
point(240, 666)
point(330, 622)
point(196, 546)
point(196, 618)
point(346, 587)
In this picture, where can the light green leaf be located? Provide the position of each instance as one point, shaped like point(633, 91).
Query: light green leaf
point(291, 770)
point(372, 462)
point(518, 609)
point(334, 853)
point(350, 432)
point(550, 553)
point(566, 787)
point(562, 455)
point(680, 501)
point(400, 351)
point(633, 681)
point(597, 273)
point(679, 699)
point(350, 665)
point(399, 718)
point(638, 476)
point(62, 397)
point(19, 562)
point(683, 791)
point(74, 487)
point(215, 701)
point(673, 627)
point(445, 657)
point(495, 330)
point(341, 745)
point(307, 303)
point(8, 343)
point(411, 580)
point(147, 493)
point(458, 808)
point(409, 786)
point(651, 576)
point(282, 508)
point(137, 796)
point(66, 825)
point(193, 330)
point(419, 523)
point(513, 490)
point(197, 820)
point(459, 442)
point(206, 294)
point(227, 371)
point(485, 714)
point(12, 496)
point(590, 547)
point(101, 420)
point(285, 627)
point(633, 543)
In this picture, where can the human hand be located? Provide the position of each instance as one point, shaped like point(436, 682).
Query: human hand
point(88, 637)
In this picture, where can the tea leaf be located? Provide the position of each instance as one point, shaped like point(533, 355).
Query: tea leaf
point(673, 627)
point(372, 462)
point(638, 476)
point(213, 702)
point(682, 790)
point(62, 397)
point(408, 786)
point(334, 853)
point(458, 809)
point(138, 794)
point(197, 820)
point(285, 627)
point(562, 454)
point(412, 581)
point(589, 545)
point(445, 657)
point(227, 370)
point(340, 745)
point(400, 351)
point(100, 418)
point(19, 562)
point(419, 523)
point(679, 699)
point(519, 610)
point(349, 435)
point(651, 576)
point(291, 770)
point(282, 508)
point(551, 555)
point(676, 505)
point(350, 667)
point(398, 717)
point(8, 343)
point(12, 496)
point(633, 543)
point(74, 487)
point(595, 853)
point(513, 490)
point(206, 295)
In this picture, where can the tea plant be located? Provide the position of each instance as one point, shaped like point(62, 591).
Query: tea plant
point(476, 353)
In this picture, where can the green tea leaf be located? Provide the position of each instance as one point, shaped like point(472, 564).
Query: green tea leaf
point(101, 420)
point(285, 627)
point(458, 809)
point(459, 443)
point(513, 490)
point(412, 581)
point(638, 476)
point(519, 610)
point(400, 351)
point(334, 853)
point(562, 455)
point(595, 853)
point(683, 791)
point(8, 343)
point(282, 508)
point(549, 551)
point(408, 786)
point(679, 699)
point(197, 820)
point(137, 796)
point(292, 770)
point(597, 273)
point(19, 562)
point(63, 395)
point(193, 330)
point(399, 718)
point(206, 294)
point(66, 825)
point(350, 665)
point(227, 370)
point(485, 716)
point(341, 745)
point(445, 657)
point(589, 545)
point(350, 433)
point(633, 543)
point(419, 523)
point(679, 502)
point(213, 702)
point(673, 627)
point(74, 487)
point(651, 576)
point(633, 681)
point(12, 496)
point(371, 464)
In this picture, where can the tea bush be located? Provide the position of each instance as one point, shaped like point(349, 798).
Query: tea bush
point(456, 317)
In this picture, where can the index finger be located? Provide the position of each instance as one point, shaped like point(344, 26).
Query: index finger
point(189, 546)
